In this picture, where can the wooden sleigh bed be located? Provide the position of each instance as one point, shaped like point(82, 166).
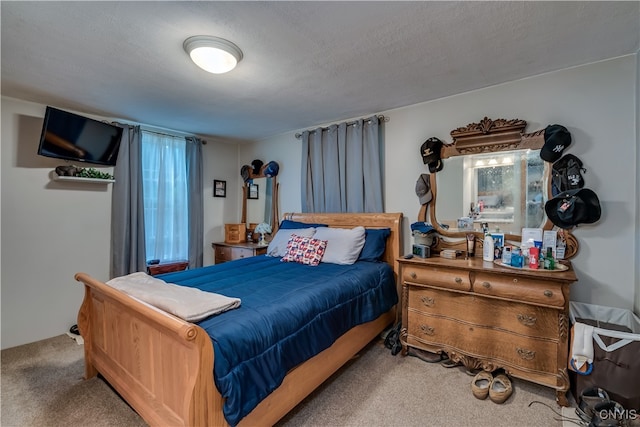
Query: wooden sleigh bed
point(163, 366)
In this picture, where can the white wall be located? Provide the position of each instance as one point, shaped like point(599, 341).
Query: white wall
point(51, 230)
point(596, 102)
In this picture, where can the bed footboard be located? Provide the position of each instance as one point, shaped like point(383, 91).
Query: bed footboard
point(160, 364)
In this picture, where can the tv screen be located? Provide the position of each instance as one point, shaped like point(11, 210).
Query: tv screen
point(69, 136)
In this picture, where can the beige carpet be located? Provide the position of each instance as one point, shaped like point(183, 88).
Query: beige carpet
point(42, 385)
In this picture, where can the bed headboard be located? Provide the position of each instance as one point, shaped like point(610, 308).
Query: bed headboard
point(393, 221)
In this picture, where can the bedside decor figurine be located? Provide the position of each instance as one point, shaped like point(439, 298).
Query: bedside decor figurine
point(263, 228)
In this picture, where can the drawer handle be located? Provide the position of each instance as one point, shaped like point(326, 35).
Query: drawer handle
point(458, 280)
point(486, 285)
point(428, 301)
point(526, 320)
point(413, 275)
point(526, 354)
point(427, 330)
point(548, 293)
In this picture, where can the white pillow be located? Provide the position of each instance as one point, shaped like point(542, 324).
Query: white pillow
point(278, 245)
point(343, 245)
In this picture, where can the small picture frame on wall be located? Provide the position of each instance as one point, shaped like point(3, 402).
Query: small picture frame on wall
point(219, 188)
point(253, 191)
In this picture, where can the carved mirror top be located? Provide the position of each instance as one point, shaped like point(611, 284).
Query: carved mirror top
point(492, 136)
point(483, 138)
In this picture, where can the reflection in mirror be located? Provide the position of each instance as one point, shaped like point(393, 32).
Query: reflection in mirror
point(260, 209)
point(506, 190)
point(503, 189)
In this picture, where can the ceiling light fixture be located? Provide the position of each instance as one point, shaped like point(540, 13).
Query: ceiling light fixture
point(213, 54)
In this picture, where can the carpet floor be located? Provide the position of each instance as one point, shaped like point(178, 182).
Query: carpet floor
point(42, 385)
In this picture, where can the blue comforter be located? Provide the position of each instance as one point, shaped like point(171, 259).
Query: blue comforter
point(289, 313)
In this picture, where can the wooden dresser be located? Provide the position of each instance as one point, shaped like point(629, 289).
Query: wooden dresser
point(488, 317)
point(223, 251)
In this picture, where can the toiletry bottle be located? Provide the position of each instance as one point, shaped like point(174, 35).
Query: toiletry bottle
point(534, 256)
point(506, 255)
point(471, 245)
point(560, 249)
point(487, 248)
point(549, 262)
point(516, 257)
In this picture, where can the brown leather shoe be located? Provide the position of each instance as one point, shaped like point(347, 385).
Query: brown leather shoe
point(500, 388)
point(480, 384)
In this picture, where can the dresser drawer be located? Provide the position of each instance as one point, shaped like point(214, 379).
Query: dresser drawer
point(441, 277)
point(223, 253)
point(523, 319)
point(229, 253)
point(500, 347)
point(238, 253)
point(519, 288)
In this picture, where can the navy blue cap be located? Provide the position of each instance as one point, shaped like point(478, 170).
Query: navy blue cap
point(271, 169)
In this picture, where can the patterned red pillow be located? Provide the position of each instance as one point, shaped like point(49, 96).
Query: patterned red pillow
point(304, 250)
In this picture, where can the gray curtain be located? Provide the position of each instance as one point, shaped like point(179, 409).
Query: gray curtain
point(127, 207)
point(196, 209)
point(342, 168)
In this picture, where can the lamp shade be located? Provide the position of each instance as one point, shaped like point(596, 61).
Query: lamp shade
point(263, 228)
point(213, 54)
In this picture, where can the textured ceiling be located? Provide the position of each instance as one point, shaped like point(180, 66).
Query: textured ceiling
point(305, 63)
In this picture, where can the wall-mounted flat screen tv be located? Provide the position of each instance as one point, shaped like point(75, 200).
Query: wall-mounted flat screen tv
point(73, 137)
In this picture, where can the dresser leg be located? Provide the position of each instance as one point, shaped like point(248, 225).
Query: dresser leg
point(561, 398)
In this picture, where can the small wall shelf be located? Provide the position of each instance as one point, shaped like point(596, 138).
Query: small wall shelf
point(86, 180)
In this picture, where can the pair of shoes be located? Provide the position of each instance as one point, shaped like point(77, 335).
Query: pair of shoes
point(608, 414)
point(480, 384)
point(596, 409)
point(472, 372)
point(427, 356)
point(448, 363)
point(589, 399)
point(498, 388)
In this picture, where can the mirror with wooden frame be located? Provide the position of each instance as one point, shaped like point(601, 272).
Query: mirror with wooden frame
point(260, 200)
point(492, 174)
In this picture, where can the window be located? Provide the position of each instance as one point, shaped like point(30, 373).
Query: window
point(166, 208)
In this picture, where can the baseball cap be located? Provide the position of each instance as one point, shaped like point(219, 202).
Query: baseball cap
point(556, 139)
point(423, 189)
point(257, 164)
point(566, 174)
point(245, 173)
point(436, 166)
point(271, 169)
point(430, 150)
point(573, 207)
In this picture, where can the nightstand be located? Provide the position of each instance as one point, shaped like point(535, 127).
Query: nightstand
point(224, 252)
point(167, 267)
